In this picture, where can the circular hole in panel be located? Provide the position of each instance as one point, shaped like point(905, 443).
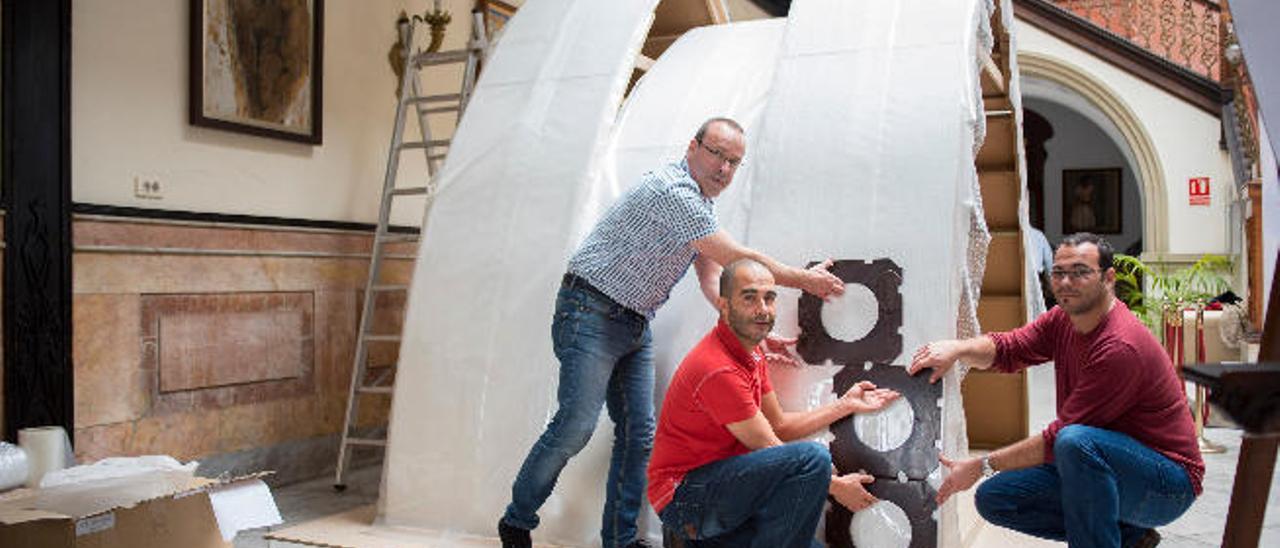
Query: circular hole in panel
point(882, 525)
point(886, 429)
point(849, 317)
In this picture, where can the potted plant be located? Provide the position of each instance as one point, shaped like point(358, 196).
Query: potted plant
point(1148, 291)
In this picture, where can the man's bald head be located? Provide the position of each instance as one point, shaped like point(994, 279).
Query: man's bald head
point(746, 303)
point(730, 271)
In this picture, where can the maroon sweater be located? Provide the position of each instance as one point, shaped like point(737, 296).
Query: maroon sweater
point(1115, 377)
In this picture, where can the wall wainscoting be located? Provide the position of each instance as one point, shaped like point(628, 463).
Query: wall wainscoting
point(232, 344)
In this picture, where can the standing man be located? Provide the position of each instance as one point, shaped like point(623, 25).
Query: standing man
point(1042, 258)
point(720, 471)
point(1121, 458)
point(616, 280)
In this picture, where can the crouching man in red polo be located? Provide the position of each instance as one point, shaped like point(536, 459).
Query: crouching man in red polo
point(720, 473)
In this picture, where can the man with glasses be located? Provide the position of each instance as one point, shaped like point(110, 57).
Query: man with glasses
point(1121, 458)
point(617, 279)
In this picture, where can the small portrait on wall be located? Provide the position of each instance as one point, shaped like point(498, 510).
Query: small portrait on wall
point(255, 67)
point(1091, 200)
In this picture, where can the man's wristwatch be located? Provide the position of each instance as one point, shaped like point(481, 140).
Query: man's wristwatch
point(987, 470)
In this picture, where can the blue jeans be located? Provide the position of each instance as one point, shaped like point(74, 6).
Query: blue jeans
point(606, 357)
point(1104, 488)
point(768, 498)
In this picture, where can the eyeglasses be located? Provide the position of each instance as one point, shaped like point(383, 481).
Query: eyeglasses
point(1078, 273)
point(733, 162)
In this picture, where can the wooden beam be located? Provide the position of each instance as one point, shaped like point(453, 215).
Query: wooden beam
point(993, 82)
point(36, 169)
point(644, 63)
point(719, 14)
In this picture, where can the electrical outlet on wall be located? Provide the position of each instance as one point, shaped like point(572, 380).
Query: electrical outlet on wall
point(147, 188)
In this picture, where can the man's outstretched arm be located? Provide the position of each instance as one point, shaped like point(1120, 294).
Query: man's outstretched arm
point(721, 248)
point(791, 425)
point(939, 356)
point(962, 474)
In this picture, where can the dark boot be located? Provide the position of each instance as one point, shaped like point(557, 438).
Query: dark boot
point(513, 537)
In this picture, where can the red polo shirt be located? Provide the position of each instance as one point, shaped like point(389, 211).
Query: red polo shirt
point(1115, 377)
point(718, 383)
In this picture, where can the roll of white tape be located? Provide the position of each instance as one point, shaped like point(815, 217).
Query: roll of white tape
point(13, 466)
point(47, 449)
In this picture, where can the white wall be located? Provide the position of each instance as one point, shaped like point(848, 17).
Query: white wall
point(1184, 137)
point(1078, 143)
point(129, 118)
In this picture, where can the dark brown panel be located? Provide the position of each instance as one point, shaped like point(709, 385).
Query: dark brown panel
point(37, 198)
point(1001, 418)
point(1000, 313)
point(1000, 195)
point(1004, 265)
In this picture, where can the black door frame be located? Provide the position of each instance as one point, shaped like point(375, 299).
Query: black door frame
point(36, 196)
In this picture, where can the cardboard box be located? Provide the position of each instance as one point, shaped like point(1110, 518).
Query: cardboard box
point(156, 509)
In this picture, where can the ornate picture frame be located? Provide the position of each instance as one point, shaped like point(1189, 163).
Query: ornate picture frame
point(257, 68)
point(1091, 200)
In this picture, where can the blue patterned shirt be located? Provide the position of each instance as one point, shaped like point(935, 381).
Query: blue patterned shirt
point(643, 245)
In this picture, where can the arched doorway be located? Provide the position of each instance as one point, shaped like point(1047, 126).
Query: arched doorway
point(1086, 181)
point(1100, 119)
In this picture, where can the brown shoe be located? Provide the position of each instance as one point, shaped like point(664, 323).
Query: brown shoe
point(1148, 540)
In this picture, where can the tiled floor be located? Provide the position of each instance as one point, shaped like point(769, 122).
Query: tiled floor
point(315, 499)
point(1200, 527)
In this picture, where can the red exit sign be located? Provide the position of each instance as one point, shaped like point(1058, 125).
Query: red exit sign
point(1198, 191)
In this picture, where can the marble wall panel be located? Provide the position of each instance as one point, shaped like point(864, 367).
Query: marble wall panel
point(206, 341)
point(220, 350)
point(335, 316)
point(244, 348)
point(184, 436)
point(102, 441)
point(165, 235)
point(98, 272)
point(111, 384)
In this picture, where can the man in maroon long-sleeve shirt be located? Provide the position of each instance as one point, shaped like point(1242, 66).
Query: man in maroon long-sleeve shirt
point(1121, 458)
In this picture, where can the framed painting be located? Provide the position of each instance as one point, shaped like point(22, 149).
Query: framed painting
point(1091, 200)
point(496, 15)
point(256, 67)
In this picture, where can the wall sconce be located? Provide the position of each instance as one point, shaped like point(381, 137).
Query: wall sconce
point(438, 19)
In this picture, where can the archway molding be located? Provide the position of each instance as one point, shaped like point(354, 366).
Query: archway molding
point(1150, 173)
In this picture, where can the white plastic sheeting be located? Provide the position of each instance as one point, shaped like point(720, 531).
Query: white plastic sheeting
point(867, 151)
point(476, 377)
point(862, 122)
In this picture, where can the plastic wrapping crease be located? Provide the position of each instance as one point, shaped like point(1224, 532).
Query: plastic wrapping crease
point(862, 123)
